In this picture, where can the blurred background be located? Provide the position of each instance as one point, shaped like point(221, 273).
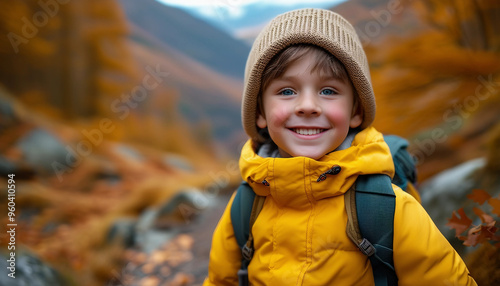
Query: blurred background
point(121, 122)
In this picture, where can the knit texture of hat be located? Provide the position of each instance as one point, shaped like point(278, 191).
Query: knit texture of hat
point(319, 27)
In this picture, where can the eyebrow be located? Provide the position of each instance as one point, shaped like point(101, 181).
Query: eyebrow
point(322, 77)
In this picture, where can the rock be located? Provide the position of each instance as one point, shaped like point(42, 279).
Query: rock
point(8, 114)
point(177, 162)
point(447, 192)
point(122, 231)
point(29, 271)
point(182, 208)
point(157, 225)
point(147, 237)
point(40, 149)
point(129, 152)
point(20, 169)
point(6, 166)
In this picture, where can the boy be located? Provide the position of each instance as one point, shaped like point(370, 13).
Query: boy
point(308, 105)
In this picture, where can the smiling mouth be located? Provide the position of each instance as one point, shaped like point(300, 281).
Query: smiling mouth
point(307, 131)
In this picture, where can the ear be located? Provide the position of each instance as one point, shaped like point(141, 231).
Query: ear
point(261, 121)
point(260, 118)
point(357, 115)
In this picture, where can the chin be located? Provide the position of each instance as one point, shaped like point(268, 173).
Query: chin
point(316, 157)
point(312, 155)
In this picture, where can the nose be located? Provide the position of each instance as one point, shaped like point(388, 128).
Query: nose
point(307, 105)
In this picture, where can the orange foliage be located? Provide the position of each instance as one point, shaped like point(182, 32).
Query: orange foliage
point(473, 24)
point(477, 234)
point(439, 85)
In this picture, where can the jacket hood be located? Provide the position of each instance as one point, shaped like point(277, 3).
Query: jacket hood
point(298, 181)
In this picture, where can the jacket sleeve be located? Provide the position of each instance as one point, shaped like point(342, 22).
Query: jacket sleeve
point(422, 255)
point(225, 254)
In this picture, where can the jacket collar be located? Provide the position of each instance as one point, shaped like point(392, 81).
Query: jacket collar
point(294, 181)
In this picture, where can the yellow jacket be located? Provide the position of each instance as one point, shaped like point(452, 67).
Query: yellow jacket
point(300, 236)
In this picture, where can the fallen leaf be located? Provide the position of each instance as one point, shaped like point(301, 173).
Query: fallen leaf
point(148, 268)
point(140, 258)
point(130, 254)
point(479, 196)
point(460, 224)
point(182, 279)
point(165, 271)
point(481, 234)
point(495, 203)
point(185, 241)
point(472, 237)
point(485, 218)
point(149, 281)
point(157, 257)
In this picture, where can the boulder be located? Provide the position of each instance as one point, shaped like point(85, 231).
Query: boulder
point(447, 192)
point(29, 271)
point(178, 162)
point(157, 225)
point(122, 231)
point(40, 149)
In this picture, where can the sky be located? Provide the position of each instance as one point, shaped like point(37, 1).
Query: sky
point(233, 15)
point(236, 6)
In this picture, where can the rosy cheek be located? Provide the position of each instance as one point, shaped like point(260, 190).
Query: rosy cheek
point(338, 116)
point(278, 116)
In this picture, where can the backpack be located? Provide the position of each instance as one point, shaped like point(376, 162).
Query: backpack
point(370, 206)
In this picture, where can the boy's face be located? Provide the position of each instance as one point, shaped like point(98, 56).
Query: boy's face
point(308, 113)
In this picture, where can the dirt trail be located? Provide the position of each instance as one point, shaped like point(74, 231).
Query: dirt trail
point(181, 261)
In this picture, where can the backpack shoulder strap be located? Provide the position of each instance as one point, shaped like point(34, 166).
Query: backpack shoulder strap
point(370, 209)
point(244, 211)
point(240, 212)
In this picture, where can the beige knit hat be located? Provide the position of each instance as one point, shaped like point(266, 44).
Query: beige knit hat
point(319, 27)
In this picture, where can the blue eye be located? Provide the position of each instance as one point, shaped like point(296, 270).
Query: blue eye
point(286, 91)
point(327, 91)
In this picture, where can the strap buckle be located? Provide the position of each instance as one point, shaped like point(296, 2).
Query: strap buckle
point(247, 252)
point(366, 247)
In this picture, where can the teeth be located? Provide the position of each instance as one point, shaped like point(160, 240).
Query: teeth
point(303, 131)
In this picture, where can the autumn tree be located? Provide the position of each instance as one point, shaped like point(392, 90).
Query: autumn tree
point(71, 54)
point(475, 24)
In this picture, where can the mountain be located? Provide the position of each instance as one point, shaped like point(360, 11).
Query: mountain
point(190, 35)
point(205, 66)
point(254, 17)
point(206, 99)
point(372, 19)
point(376, 19)
point(250, 15)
